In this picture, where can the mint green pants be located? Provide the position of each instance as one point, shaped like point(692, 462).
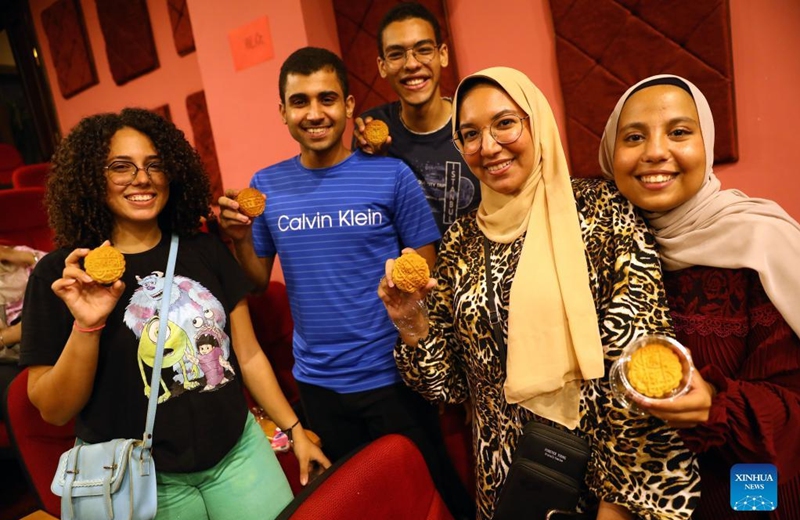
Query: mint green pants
point(248, 483)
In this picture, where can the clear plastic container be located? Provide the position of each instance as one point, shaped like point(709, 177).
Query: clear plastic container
point(622, 388)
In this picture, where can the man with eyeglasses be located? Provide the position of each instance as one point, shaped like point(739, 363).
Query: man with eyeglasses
point(411, 56)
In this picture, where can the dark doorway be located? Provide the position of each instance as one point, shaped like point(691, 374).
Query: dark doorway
point(27, 117)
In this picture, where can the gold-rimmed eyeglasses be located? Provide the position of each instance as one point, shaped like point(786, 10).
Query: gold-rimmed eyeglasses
point(504, 129)
point(423, 52)
point(123, 173)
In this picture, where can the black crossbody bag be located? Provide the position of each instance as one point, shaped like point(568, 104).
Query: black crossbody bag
point(546, 475)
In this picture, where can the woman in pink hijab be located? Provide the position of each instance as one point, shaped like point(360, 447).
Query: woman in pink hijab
point(730, 271)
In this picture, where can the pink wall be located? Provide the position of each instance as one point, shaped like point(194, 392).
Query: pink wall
point(176, 77)
point(766, 40)
point(766, 64)
point(243, 105)
point(529, 45)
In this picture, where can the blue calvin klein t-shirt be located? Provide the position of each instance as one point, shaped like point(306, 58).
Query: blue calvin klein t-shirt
point(334, 228)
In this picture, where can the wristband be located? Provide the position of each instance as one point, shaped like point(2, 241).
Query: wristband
point(88, 329)
point(289, 431)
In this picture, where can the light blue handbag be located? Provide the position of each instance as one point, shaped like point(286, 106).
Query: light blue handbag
point(116, 479)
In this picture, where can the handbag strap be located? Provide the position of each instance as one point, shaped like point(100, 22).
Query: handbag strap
point(155, 379)
point(494, 313)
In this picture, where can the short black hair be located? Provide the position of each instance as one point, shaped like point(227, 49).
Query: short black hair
point(206, 339)
point(307, 61)
point(406, 11)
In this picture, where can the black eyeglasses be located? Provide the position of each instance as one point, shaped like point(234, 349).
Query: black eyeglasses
point(123, 173)
point(504, 129)
point(396, 57)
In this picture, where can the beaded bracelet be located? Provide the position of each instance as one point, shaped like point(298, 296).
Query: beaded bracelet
point(89, 329)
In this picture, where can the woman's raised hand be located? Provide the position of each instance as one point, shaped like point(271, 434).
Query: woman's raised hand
point(408, 311)
point(89, 302)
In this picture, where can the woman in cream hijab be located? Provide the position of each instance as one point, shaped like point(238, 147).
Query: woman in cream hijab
point(732, 282)
point(574, 279)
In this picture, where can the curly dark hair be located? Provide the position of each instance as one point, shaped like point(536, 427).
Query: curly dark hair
point(308, 60)
point(77, 187)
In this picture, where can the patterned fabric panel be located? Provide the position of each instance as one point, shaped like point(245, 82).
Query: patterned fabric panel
point(72, 56)
point(163, 111)
point(197, 109)
point(605, 46)
point(181, 26)
point(357, 23)
point(130, 47)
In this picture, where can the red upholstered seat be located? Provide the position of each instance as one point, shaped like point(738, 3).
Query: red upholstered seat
point(273, 325)
point(23, 221)
point(37, 443)
point(30, 175)
point(23, 218)
point(387, 478)
point(10, 160)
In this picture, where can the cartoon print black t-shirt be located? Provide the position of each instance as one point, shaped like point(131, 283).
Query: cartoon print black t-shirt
point(196, 346)
point(201, 409)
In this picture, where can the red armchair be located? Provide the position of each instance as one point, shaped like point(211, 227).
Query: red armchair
point(23, 221)
point(23, 218)
point(387, 478)
point(37, 443)
point(10, 160)
point(273, 325)
point(30, 175)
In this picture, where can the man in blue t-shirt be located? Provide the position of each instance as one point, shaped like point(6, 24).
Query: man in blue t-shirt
point(411, 56)
point(334, 218)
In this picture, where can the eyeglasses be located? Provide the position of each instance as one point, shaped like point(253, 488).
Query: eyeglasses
point(123, 173)
point(504, 129)
point(397, 57)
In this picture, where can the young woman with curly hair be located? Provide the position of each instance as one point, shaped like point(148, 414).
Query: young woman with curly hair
point(132, 179)
point(76, 201)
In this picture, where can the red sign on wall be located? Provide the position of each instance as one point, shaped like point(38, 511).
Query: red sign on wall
point(251, 44)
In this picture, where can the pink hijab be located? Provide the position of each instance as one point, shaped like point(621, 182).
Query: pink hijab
point(722, 228)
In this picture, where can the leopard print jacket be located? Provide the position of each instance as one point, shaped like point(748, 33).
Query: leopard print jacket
point(637, 462)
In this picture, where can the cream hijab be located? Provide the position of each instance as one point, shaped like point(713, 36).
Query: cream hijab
point(722, 228)
point(553, 337)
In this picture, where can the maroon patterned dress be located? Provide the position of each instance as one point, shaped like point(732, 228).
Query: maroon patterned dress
point(742, 345)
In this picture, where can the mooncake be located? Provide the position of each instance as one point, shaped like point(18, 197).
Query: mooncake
point(376, 133)
point(410, 272)
point(104, 264)
point(251, 202)
point(655, 370)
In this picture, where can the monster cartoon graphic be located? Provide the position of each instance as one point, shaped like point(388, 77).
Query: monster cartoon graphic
point(176, 346)
point(188, 300)
point(192, 307)
point(211, 361)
